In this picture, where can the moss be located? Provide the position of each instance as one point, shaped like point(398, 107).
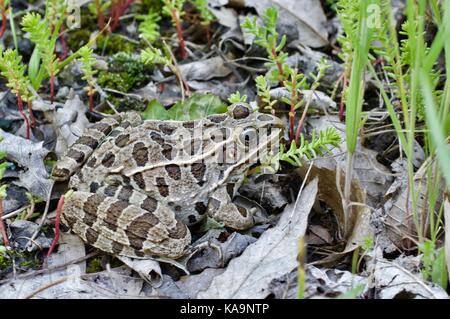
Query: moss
point(78, 38)
point(95, 265)
point(125, 103)
point(146, 5)
point(111, 43)
point(124, 73)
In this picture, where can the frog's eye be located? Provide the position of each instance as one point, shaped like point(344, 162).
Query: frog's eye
point(240, 111)
point(248, 136)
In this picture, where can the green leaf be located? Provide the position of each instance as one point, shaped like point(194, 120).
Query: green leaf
point(155, 111)
point(439, 272)
point(33, 69)
point(196, 107)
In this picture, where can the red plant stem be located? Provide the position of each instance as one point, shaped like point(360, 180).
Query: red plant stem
point(3, 14)
point(341, 104)
point(33, 119)
point(291, 125)
point(118, 8)
point(57, 224)
point(20, 106)
point(91, 102)
point(100, 17)
point(176, 18)
point(52, 88)
point(300, 123)
point(62, 39)
point(2, 226)
point(292, 110)
point(279, 66)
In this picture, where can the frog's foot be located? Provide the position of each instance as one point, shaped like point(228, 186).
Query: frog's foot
point(120, 228)
point(222, 209)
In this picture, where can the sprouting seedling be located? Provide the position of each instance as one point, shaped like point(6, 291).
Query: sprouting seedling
point(293, 84)
point(174, 9)
point(13, 70)
point(318, 146)
point(149, 28)
point(154, 55)
point(264, 93)
point(237, 98)
point(266, 36)
point(87, 67)
point(55, 9)
point(41, 35)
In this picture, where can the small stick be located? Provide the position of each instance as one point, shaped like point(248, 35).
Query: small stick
point(57, 223)
point(2, 226)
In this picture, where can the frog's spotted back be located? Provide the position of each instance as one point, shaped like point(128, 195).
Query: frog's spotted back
point(138, 184)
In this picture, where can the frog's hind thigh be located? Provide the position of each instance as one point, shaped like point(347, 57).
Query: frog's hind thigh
point(120, 228)
point(221, 208)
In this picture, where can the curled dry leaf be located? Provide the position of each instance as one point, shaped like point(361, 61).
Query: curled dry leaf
point(399, 218)
point(271, 256)
point(307, 15)
point(70, 122)
point(29, 156)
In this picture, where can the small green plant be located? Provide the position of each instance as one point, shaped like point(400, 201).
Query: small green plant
point(266, 36)
point(264, 93)
point(237, 98)
point(434, 264)
point(149, 28)
point(13, 70)
point(154, 55)
point(87, 66)
point(41, 35)
point(202, 8)
point(174, 9)
point(319, 145)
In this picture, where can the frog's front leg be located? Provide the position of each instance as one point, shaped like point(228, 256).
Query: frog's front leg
point(118, 227)
point(222, 209)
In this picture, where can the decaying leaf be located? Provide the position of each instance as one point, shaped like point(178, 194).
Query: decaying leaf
point(29, 156)
point(401, 278)
point(205, 69)
point(320, 282)
point(272, 255)
point(307, 15)
point(399, 218)
point(70, 122)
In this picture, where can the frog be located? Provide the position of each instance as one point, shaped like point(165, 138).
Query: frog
point(137, 186)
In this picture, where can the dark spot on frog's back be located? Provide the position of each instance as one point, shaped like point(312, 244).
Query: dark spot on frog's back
point(113, 213)
point(167, 151)
point(90, 208)
point(108, 159)
point(265, 118)
point(217, 118)
point(200, 208)
point(149, 204)
point(198, 170)
point(92, 162)
point(76, 155)
point(139, 180)
point(189, 124)
point(102, 127)
point(88, 141)
point(179, 231)
point(139, 228)
point(162, 186)
point(173, 171)
point(166, 128)
point(116, 247)
point(91, 236)
point(140, 154)
point(157, 138)
point(93, 187)
point(125, 194)
point(192, 219)
point(122, 140)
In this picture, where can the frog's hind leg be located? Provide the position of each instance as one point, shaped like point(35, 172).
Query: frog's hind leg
point(118, 227)
point(92, 137)
point(221, 208)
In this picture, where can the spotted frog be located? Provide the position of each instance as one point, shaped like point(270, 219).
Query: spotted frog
point(137, 185)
